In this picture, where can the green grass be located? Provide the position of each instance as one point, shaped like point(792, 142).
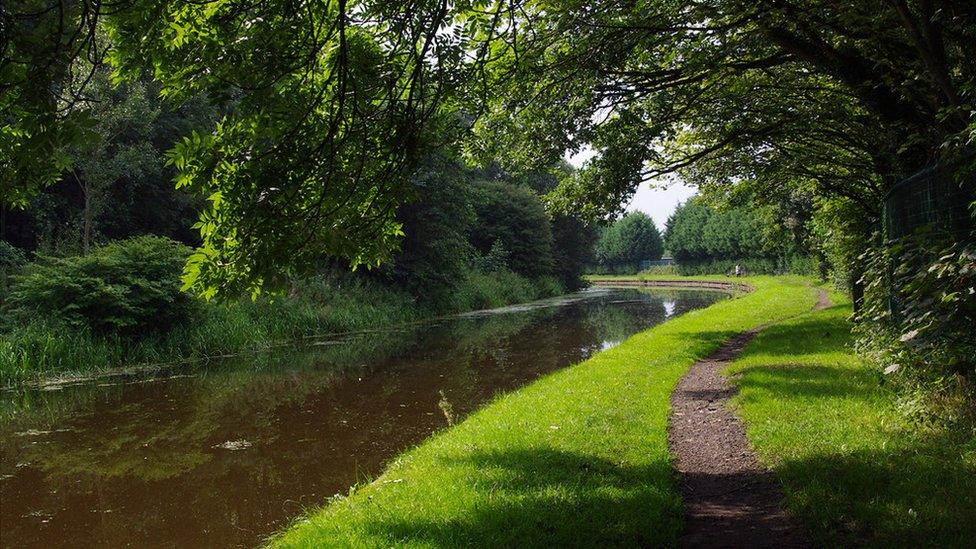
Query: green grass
point(43, 348)
point(579, 457)
point(851, 466)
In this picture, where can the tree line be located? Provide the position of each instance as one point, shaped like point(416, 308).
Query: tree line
point(704, 239)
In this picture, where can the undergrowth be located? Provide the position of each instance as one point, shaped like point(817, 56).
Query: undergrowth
point(44, 346)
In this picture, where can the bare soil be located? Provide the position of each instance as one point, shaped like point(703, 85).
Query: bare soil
point(730, 499)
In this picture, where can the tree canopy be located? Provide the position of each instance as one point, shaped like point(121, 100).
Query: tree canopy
point(333, 104)
point(695, 232)
point(629, 240)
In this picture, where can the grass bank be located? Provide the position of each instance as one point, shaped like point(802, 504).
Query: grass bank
point(45, 348)
point(579, 457)
point(852, 467)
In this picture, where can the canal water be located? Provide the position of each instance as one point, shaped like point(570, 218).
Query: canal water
point(225, 454)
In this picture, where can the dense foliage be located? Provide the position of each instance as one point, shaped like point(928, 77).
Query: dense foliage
point(917, 321)
point(116, 183)
point(628, 241)
point(436, 251)
point(120, 303)
point(573, 245)
point(512, 217)
point(697, 234)
point(11, 260)
point(329, 101)
point(464, 221)
point(336, 103)
point(126, 286)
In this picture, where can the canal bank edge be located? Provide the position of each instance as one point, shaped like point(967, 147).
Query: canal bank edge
point(704, 284)
point(578, 457)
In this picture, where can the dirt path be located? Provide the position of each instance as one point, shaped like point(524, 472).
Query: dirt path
point(730, 500)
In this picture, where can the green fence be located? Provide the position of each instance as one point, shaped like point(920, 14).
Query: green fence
point(936, 198)
point(933, 204)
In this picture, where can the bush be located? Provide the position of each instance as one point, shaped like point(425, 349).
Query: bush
point(434, 253)
point(573, 243)
point(482, 290)
point(124, 287)
point(548, 286)
point(495, 260)
point(925, 303)
point(11, 260)
point(11, 257)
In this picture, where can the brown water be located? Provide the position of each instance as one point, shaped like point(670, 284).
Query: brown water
point(226, 454)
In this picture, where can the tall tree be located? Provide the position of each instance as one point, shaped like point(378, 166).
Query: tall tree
point(335, 104)
point(629, 240)
point(513, 217)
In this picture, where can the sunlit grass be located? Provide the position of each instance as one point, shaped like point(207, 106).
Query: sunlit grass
point(852, 467)
point(580, 457)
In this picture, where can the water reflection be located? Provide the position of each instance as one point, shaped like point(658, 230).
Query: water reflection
point(225, 455)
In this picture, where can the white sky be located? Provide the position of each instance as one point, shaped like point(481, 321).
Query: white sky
point(659, 203)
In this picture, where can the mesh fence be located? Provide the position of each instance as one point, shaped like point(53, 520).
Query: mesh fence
point(935, 201)
point(936, 198)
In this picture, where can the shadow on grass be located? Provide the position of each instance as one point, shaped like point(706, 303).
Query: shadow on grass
point(910, 489)
point(808, 381)
point(545, 497)
point(851, 470)
point(804, 336)
point(919, 494)
point(808, 334)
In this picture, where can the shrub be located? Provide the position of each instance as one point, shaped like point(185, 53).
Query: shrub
point(11, 257)
point(573, 243)
point(548, 286)
point(122, 287)
point(435, 252)
point(11, 260)
point(926, 300)
point(495, 260)
point(917, 320)
point(482, 290)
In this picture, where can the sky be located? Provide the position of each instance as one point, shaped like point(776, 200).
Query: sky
point(660, 203)
point(650, 198)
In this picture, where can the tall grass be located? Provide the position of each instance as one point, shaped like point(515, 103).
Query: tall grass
point(44, 347)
